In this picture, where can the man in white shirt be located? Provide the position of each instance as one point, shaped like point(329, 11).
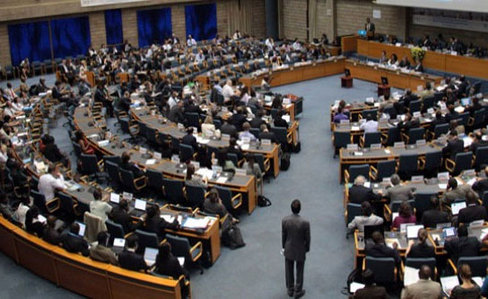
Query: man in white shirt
point(237, 35)
point(190, 42)
point(50, 182)
point(296, 45)
point(370, 126)
point(227, 91)
point(173, 99)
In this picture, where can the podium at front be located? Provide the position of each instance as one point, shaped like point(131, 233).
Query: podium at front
point(384, 90)
point(346, 81)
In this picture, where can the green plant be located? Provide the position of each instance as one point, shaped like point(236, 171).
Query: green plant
point(418, 53)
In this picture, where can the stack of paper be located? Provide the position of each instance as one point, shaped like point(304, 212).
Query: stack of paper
point(196, 223)
point(168, 218)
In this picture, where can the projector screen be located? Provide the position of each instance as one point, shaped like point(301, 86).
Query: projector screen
point(465, 5)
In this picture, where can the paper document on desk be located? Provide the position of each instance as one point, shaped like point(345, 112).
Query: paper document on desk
point(168, 218)
point(195, 222)
point(245, 146)
point(222, 180)
point(202, 140)
point(442, 186)
point(389, 242)
point(204, 172)
point(411, 276)
point(448, 283)
point(355, 128)
point(150, 161)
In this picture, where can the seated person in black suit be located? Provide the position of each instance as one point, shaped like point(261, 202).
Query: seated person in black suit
point(473, 211)
point(129, 259)
point(421, 249)
point(370, 290)
point(167, 264)
point(32, 223)
point(454, 145)
point(73, 242)
point(477, 142)
point(120, 215)
point(238, 118)
point(234, 148)
point(279, 121)
point(189, 139)
point(380, 249)
point(155, 224)
point(438, 120)
point(228, 128)
point(359, 193)
point(434, 216)
point(51, 234)
point(266, 134)
point(481, 185)
point(126, 164)
point(257, 121)
point(462, 245)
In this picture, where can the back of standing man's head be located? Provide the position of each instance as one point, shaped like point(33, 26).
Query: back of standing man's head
point(296, 206)
point(368, 277)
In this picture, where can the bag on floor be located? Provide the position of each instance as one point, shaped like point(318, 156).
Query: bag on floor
point(354, 276)
point(263, 201)
point(296, 148)
point(232, 237)
point(285, 161)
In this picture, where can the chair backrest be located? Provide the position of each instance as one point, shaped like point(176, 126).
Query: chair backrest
point(39, 201)
point(408, 163)
point(174, 190)
point(464, 118)
point(353, 210)
point(415, 106)
point(127, 179)
point(255, 132)
point(463, 161)
point(186, 152)
point(226, 196)
point(342, 139)
point(395, 206)
point(116, 230)
point(481, 156)
point(66, 203)
point(422, 203)
point(89, 163)
point(476, 263)
point(77, 149)
point(428, 102)
point(180, 246)
point(433, 160)
point(280, 133)
point(440, 129)
point(94, 225)
point(373, 113)
point(385, 169)
point(124, 125)
point(113, 171)
point(146, 239)
point(356, 170)
point(415, 134)
point(234, 158)
point(382, 267)
point(193, 119)
point(479, 117)
point(372, 138)
point(393, 136)
point(114, 159)
point(195, 195)
point(154, 179)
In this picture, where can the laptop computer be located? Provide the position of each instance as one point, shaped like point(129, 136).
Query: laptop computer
point(118, 245)
point(412, 231)
point(139, 208)
point(457, 206)
point(150, 255)
point(448, 232)
point(466, 101)
point(81, 232)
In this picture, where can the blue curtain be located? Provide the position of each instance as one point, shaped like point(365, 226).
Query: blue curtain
point(153, 26)
point(71, 36)
point(113, 27)
point(201, 21)
point(29, 40)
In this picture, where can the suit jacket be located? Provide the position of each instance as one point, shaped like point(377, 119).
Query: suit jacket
point(472, 213)
point(268, 135)
point(399, 193)
point(453, 147)
point(358, 194)
point(120, 216)
point(279, 122)
point(458, 193)
point(381, 250)
point(131, 167)
point(170, 267)
point(295, 237)
point(75, 244)
point(132, 261)
point(463, 246)
point(421, 250)
point(431, 218)
point(422, 289)
point(256, 122)
point(371, 292)
point(103, 254)
point(190, 140)
point(480, 186)
point(237, 120)
point(158, 225)
point(51, 236)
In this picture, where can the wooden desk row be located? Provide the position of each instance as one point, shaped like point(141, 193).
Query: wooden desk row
point(469, 66)
point(81, 274)
point(396, 78)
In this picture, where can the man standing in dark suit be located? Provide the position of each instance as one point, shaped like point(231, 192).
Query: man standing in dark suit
point(369, 27)
point(296, 243)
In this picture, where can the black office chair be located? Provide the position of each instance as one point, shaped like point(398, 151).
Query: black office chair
point(76, 149)
point(354, 171)
point(231, 203)
point(174, 191)
point(132, 129)
point(428, 102)
point(392, 136)
point(417, 263)
point(155, 182)
point(44, 206)
point(235, 159)
point(481, 157)
point(352, 210)
point(181, 247)
point(414, 134)
point(67, 207)
point(283, 137)
point(383, 169)
point(439, 129)
point(422, 203)
point(384, 269)
point(186, 152)
point(395, 206)
point(152, 137)
point(407, 166)
point(129, 183)
point(476, 263)
point(146, 239)
point(193, 119)
point(478, 119)
point(431, 163)
point(115, 230)
point(114, 174)
point(462, 162)
point(415, 106)
point(195, 196)
point(91, 166)
point(114, 159)
point(341, 139)
point(370, 138)
point(372, 112)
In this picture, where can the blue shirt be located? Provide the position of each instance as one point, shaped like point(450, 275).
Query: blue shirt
point(340, 116)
